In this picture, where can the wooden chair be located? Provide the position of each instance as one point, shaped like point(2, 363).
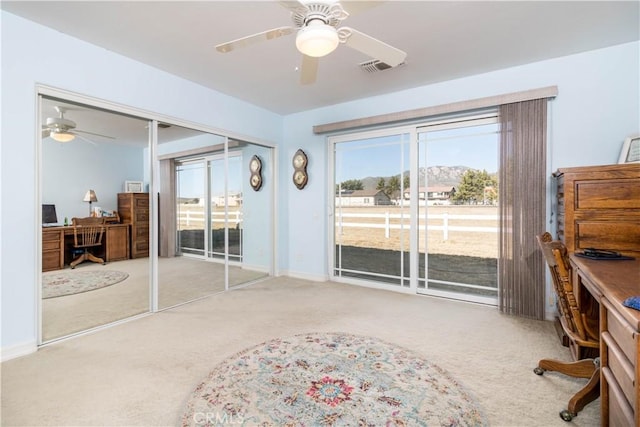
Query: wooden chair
point(87, 233)
point(581, 329)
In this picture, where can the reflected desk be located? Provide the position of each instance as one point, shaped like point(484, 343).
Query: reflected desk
point(609, 283)
point(57, 243)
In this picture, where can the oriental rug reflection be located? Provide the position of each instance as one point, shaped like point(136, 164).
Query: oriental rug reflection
point(69, 282)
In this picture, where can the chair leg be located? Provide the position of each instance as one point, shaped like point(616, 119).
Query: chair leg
point(92, 257)
point(585, 368)
point(586, 394)
point(86, 256)
point(581, 369)
point(78, 260)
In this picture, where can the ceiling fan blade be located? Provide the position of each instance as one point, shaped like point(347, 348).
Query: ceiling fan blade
point(309, 70)
point(85, 139)
point(45, 132)
point(90, 133)
point(372, 47)
point(355, 7)
point(293, 6)
point(255, 38)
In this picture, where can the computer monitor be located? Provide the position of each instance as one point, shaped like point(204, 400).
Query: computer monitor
point(49, 216)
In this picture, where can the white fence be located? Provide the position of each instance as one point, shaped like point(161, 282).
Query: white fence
point(195, 219)
point(385, 222)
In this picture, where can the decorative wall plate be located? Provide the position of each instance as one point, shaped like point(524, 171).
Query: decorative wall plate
point(255, 167)
point(300, 177)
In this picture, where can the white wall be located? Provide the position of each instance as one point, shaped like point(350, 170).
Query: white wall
point(94, 72)
point(69, 170)
point(598, 105)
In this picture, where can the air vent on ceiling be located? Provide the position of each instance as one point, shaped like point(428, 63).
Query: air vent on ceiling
point(375, 65)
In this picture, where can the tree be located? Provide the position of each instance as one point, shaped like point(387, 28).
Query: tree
point(351, 184)
point(476, 187)
point(393, 187)
point(405, 182)
point(381, 184)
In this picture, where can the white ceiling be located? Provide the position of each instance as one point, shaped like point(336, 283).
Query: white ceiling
point(443, 40)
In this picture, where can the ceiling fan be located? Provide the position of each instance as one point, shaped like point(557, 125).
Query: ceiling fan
point(64, 130)
point(317, 35)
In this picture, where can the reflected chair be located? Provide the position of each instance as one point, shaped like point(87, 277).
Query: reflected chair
point(87, 233)
point(580, 327)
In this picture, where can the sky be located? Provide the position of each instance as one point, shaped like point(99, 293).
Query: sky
point(475, 147)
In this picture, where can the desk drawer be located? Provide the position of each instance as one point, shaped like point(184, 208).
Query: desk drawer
point(141, 202)
point(51, 261)
point(141, 233)
point(142, 246)
point(620, 413)
point(141, 217)
point(51, 245)
point(621, 332)
point(621, 368)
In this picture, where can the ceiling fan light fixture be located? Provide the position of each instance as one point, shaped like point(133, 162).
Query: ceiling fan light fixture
point(317, 39)
point(62, 136)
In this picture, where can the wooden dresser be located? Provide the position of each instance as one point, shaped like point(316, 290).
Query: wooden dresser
point(133, 209)
point(599, 207)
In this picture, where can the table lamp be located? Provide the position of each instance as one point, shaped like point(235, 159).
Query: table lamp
point(90, 197)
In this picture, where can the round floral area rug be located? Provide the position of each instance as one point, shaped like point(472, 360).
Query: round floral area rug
point(60, 283)
point(330, 379)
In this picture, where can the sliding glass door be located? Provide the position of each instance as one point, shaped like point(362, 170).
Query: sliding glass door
point(225, 215)
point(191, 207)
point(458, 212)
point(416, 208)
point(209, 207)
point(371, 232)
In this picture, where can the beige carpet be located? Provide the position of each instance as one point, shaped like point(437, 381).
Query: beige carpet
point(181, 279)
point(141, 372)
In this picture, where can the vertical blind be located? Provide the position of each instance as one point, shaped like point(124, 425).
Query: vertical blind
point(522, 194)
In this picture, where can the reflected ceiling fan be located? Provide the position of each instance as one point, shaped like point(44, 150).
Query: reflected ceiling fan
point(64, 130)
point(316, 22)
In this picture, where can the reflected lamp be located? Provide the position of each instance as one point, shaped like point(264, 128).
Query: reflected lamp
point(62, 136)
point(90, 197)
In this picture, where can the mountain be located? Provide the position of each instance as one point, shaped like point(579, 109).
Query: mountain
point(435, 176)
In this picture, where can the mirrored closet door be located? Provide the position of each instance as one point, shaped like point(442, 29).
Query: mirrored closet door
point(90, 159)
point(214, 227)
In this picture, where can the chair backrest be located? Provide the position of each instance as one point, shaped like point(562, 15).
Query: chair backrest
point(555, 253)
point(89, 220)
point(87, 232)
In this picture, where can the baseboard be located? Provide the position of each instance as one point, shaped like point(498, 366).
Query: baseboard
point(259, 268)
point(18, 350)
point(304, 276)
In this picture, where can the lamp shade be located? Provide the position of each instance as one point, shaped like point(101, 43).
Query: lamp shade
point(317, 39)
point(90, 196)
point(62, 136)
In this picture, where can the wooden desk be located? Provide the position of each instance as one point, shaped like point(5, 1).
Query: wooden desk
point(57, 243)
point(610, 283)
